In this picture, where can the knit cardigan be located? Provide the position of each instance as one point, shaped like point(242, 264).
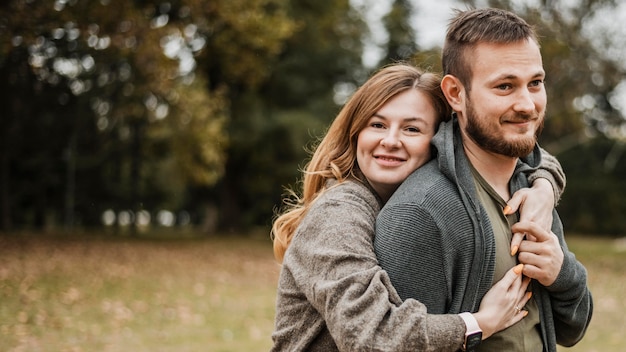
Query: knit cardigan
point(435, 240)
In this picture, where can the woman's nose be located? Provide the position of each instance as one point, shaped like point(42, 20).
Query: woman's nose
point(390, 141)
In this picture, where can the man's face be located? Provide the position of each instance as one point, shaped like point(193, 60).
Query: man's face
point(505, 109)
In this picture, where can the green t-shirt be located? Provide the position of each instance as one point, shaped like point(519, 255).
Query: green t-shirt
point(525, 335)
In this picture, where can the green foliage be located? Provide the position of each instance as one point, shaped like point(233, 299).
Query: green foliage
point(593, 201)
point(196, 133)
point(243, 37)
point(324, 50)
point(133, 125)
point(192, 104)
point(402, 43)
point(267, 125)
point(428, 60)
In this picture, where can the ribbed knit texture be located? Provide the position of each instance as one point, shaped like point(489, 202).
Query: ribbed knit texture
point(436, 243)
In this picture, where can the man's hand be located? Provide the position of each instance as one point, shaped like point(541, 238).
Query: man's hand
point(535, 204)
point(539, 250)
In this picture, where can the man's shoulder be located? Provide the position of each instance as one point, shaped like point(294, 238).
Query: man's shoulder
point(426, 184)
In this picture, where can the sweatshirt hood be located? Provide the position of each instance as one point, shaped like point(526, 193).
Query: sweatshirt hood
point(448, 138)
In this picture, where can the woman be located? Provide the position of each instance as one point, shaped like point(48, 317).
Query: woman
point(332, 295)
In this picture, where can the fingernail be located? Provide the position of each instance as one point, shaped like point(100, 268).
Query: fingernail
point(529, 294)
point(525, 313)
point(506, 210)
point(518, 268)
point(514, 250)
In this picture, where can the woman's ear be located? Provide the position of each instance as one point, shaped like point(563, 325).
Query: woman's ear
point(454, 91)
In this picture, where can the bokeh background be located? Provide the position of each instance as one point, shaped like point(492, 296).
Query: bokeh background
point(179, 123)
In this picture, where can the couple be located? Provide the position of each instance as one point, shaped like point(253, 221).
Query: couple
point(447, 263)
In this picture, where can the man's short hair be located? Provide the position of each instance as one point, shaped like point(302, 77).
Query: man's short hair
point(469, 28)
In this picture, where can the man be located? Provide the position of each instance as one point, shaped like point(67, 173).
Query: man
point(443, 237)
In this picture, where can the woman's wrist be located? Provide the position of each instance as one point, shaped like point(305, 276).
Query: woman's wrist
point(545, 187)
point(473, 332)
point(482, 322)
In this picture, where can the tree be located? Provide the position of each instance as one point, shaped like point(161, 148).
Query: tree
point(593, 202)
point(272, 123)
point(114, 95)
point(242, 40)
point(402, 43)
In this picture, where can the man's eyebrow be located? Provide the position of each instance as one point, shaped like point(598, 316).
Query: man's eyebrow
point(512, 76)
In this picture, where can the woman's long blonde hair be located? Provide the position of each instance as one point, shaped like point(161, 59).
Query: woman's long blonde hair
point(335, 155)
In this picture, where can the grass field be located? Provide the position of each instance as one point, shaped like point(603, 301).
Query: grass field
point(214, 294)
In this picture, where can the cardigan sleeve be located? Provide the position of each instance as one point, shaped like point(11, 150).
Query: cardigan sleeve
point(570, 297)
point(333, 262)
point(550, 169)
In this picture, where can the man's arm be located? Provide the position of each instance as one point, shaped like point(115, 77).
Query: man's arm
point(547, 259)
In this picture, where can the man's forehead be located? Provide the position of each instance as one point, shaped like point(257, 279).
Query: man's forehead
point(507, 61)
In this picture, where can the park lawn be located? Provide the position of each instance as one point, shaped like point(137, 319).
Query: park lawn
point(116, 293)
point(605, 260)
point(122, 294)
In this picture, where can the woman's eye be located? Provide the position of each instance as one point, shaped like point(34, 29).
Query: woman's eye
point(412, 129)
point(377, 125)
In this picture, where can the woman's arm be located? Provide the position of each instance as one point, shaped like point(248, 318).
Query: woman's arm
point(551, 170)
point(536, 203)
point(333, 261)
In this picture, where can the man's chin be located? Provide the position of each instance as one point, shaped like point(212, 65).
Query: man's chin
point(520, 149)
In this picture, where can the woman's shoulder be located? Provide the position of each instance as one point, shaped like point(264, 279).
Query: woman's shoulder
point(345, 199)
point(339, 209)
point(349, 190)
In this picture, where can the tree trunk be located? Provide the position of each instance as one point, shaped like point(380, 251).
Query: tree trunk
point(5, 196)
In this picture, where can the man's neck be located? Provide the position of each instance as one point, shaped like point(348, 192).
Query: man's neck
point(495, 168)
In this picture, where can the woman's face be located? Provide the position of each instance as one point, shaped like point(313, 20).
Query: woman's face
point(396, 141)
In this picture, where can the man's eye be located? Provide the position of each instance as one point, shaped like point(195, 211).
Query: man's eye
point(504, 87)
point(536, 83)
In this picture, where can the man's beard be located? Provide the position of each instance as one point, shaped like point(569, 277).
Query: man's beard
point(479, 131)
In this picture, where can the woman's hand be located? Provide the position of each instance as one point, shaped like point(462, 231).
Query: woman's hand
point(535, 204)
point(502, 305)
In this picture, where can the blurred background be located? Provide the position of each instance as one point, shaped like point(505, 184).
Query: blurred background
point(135, 114)
point(146, 144)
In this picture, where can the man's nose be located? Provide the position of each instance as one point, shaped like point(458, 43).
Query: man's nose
point(525, 101)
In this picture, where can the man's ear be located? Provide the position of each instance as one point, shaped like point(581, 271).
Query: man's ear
point(454, 91)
